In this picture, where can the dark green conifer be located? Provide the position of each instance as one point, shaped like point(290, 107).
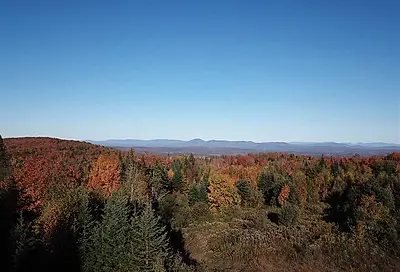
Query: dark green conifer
point(149, 242)
point(177, 178)
point(106, 249)
point(197, 193)
point(159, 183)
point(244, 190)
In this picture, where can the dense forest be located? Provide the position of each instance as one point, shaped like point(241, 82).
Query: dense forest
point(75, 206)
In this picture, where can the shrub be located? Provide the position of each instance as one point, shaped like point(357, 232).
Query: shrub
point(200, 210)
point(288, 215)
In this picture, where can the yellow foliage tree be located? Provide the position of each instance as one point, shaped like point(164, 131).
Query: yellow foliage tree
point(300, 181)
point(369, 214)
point(222, 192)
point(170, 174)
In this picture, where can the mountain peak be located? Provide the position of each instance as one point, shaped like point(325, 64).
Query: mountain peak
point(196, 140)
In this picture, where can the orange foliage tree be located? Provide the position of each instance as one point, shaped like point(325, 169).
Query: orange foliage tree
point(283, 194)
point(105, 174)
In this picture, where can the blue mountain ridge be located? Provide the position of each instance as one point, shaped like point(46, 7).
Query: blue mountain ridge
point(219, 147)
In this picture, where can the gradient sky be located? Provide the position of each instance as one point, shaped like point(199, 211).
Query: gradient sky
point(236, 70)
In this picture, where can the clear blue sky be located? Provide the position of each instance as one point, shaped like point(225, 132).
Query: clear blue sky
point(237, 70)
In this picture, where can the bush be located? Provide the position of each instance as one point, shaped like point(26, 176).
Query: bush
point(288, 215)
point(200, 210)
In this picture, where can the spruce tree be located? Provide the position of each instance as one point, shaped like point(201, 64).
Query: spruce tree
point(244, 190)
point(106, 250)
point(197, 193)
point(177, 178)
point(266, 180)
point(86, 225)
point(191, 169)
point(159, 183)
point(25, 244)
point(335, 169)
point(149, 242)
point(321, 165)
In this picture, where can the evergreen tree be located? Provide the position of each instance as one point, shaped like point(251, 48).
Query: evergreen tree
point(86, 224)
point(25, 244)
point(177, 177)
point(149, 242)
point(125, 163)
point(206, 178)
point(265, 181)
point(106, 250)
point(191, 169)
point(244, 190)
point(321, 165)
point(159, 183)
point(335, 169)
point(197, 193)
point(266, 184)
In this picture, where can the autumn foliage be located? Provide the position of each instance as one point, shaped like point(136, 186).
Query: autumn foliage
point(222, 192)
point(105, 174)
point(39, 163)
point(283, 194)
point(250, 212)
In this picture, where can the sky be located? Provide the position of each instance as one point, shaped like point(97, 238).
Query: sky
point(235, 70)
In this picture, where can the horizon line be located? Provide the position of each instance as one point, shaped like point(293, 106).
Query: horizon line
point(204, 140)
point(256, 142)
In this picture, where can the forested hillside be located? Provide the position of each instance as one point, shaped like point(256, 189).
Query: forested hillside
point(75, 206)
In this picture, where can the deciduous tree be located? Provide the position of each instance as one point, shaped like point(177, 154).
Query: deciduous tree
point(222, 192)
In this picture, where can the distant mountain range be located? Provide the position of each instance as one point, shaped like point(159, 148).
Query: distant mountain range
point(223, 147)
